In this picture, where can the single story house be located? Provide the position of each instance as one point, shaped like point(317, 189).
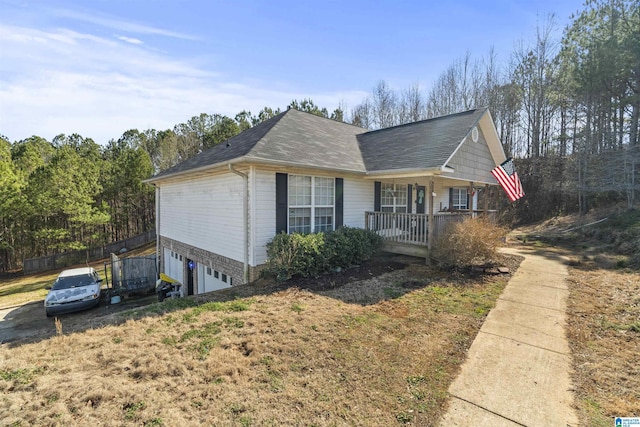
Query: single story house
point(297, 172)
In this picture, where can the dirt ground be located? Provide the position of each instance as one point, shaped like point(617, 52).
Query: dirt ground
point(28, 322)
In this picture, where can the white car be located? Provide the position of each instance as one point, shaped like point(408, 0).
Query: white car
point(74, 290)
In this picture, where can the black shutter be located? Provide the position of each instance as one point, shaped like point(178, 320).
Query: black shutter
point(377, 194)
point(450, 198)
point(468, 204)
point(339, 202)
point(409, 198)
point(282, 203)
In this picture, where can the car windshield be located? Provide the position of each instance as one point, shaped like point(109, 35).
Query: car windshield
point(73, 282)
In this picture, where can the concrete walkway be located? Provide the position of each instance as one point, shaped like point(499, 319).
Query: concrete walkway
point(517, 371)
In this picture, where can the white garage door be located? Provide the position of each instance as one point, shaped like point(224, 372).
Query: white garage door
point(173, 265)
point(210, 279)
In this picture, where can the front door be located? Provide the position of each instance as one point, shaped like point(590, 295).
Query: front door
point(421, 196)
point(190, 266)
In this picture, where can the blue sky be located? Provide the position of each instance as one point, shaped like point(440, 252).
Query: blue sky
point(101, 67)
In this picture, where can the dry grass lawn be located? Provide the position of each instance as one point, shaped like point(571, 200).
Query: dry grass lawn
point(379, 352)
point(604, 335)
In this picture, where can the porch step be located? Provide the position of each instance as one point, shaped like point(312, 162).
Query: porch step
point(406, 249)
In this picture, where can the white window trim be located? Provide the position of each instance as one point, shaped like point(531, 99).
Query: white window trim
point(461, 207)
point(395, 205)
point(313, 205)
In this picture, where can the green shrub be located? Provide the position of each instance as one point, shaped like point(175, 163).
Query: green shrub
point(313, 254)
point(291, 254)
point(469, 242)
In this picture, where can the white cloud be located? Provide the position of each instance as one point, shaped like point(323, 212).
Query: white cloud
point(130, 39)
point(64, 81)
point(119, 24)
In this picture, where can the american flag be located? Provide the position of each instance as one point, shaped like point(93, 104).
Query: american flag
point(507, 177)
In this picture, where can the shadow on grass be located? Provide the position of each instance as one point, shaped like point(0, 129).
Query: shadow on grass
point(581, 256)
point(612, 243)
point(28, 323)
point(26, 287)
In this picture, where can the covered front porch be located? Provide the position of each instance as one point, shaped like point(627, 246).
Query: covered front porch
point(414, 234)
point(410, 217)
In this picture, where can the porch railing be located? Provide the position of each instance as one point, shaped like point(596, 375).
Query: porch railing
point(414, 228)
point(398, 227)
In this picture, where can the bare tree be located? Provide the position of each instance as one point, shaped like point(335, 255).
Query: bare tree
point(461, 87)
point(384, 103)
point(361, 115)
point(535, 71)
point(412, 106)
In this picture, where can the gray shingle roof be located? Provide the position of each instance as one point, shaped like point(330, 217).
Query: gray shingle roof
point(303, 139)
point(233, 148)
point(291, 137)
point(309, 140)
point(420, 145)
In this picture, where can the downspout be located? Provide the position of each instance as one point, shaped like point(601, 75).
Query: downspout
point(158, 247)
point(245, 219)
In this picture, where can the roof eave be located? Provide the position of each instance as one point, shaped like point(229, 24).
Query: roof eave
point(272, 162)
point(254, 160)
point(408, 172)
point(197, 170)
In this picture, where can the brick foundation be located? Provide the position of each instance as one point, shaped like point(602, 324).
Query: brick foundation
point(228, 266)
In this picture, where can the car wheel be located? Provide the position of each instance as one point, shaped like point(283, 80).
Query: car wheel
point(48, 314)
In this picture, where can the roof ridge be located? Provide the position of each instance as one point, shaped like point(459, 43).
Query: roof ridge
point(430, 119)
point(327, 118)
point(308, 139)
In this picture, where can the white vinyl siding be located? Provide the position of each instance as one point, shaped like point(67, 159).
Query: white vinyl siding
point(206, 213)
point(441, 200)
point(263, 209)
point(358, 199)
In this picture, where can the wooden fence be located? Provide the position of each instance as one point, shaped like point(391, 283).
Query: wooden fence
point(65, 259)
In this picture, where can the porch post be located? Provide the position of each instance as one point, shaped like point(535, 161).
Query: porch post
point(486, 200)
point(430, 219)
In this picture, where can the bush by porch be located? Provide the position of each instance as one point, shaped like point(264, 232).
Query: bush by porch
point(317, 253)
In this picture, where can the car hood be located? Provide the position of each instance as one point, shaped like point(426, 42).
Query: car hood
point(72, 294)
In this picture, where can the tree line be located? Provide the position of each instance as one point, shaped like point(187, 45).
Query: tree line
point(72, 193)
point(567, 108)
